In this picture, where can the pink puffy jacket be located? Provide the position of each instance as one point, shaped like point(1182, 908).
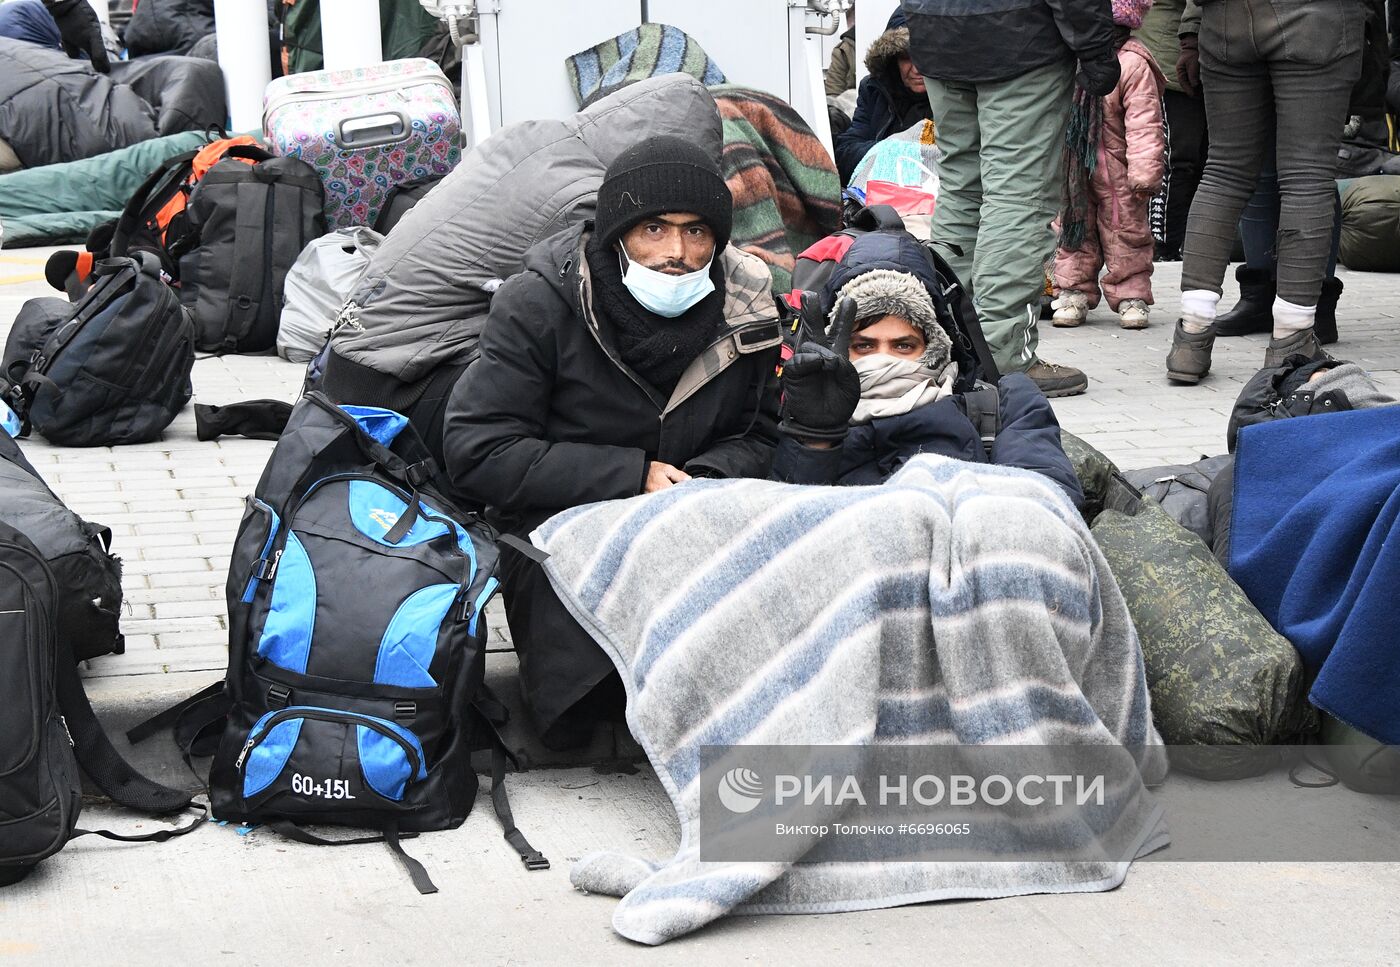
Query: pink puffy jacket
point(1132, 142)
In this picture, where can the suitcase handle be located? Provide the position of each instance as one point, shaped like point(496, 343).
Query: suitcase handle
point(374, 129)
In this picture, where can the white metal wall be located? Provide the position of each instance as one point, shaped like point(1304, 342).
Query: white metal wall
point(748, 39)
point(526, 78)
point(871, 17)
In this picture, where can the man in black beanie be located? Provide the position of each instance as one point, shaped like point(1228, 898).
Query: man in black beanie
point(633, 353)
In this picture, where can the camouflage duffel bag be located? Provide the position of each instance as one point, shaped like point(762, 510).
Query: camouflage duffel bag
point(1220, 676)
point(1095, 472)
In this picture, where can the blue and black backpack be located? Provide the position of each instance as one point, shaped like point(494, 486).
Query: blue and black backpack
point(357, 641)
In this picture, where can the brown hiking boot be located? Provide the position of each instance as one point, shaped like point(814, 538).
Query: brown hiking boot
point(1057, 380)
point(1188, 361)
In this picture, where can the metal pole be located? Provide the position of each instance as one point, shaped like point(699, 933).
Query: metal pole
point(240, 28)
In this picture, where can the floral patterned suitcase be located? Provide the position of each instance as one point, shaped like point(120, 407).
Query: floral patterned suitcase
point(365, 130)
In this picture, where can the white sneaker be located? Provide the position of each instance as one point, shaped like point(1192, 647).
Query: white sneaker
point(1133, 313)
point(1071, 309)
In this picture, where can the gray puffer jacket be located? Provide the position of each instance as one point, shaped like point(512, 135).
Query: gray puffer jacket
point(55, 109)
point(424, 296)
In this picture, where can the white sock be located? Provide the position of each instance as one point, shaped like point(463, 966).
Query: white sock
point(1198, 309)
point(1290, 318)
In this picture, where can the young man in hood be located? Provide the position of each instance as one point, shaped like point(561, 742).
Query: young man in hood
point(632, 353)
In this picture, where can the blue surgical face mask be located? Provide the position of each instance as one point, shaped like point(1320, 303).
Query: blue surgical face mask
point(669, 296)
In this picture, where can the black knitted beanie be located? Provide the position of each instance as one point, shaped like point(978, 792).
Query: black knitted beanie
point(663, 175)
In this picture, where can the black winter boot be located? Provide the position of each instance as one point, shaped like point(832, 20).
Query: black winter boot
point(1325, 326)
point(1255, 310)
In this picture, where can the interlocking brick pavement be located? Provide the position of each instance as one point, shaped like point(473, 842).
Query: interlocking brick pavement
point(174, 505)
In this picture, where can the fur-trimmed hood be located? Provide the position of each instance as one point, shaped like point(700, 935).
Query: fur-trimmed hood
point(880, 58)
point(881, 292)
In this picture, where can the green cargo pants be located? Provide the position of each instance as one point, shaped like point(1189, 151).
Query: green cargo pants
point(1002, 146)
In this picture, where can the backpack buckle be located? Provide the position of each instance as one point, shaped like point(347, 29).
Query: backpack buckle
point(279, 696)
point(534, 860)
point(405, 710)
point(419, 473)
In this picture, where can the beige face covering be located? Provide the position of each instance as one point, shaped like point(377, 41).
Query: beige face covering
point(891, 386)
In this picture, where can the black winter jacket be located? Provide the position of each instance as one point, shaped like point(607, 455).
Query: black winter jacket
point(884, 105)
point(972, 41)
point(1029, 438)
point(549, 418)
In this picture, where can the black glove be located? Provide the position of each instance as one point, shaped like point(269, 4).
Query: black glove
point(1188, 65)
point(80, 30)
point(1098, 72)
point(820, 386)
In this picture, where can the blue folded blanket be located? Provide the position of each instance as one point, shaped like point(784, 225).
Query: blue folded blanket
point(1315, 543)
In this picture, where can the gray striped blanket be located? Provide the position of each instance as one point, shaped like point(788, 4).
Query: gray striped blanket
point(953, 604)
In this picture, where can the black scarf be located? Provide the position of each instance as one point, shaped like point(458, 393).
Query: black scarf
point(655, 348)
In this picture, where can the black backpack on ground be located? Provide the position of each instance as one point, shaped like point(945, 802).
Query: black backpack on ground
point(47, 726)
point(77, 551)
point(115, 370)
point(356, 640)
point(244, 227)
point(155, 217)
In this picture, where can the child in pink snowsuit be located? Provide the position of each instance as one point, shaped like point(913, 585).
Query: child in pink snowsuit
point(1111, 209)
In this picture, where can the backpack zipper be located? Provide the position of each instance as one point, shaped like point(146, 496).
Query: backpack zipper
point(328, 715)
point(41, 668)
point(288, 526)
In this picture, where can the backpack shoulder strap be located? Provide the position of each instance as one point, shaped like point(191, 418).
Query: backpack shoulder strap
point(95, 752)
point(984, 411)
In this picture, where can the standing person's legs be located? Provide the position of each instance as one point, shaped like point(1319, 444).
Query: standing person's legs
point(1314, 61)
point(1022, 123)
point(957, 214)
point(1238, 98)
point(1259, 220)
point(1254, 312)
point(1259, 236)
point(1190, 142)
point(1127, 251)
point(1077, 269)
point(1238, 95)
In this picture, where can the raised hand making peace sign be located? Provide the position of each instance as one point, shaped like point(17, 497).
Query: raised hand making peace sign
point(820, 386)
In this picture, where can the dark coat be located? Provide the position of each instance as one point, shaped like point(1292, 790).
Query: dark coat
point(1010, 38)
point(1029, 438)
point(549, 418)
point(1280, 392)
point(1028, 434)
point(884, 106)
point(55, 109)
